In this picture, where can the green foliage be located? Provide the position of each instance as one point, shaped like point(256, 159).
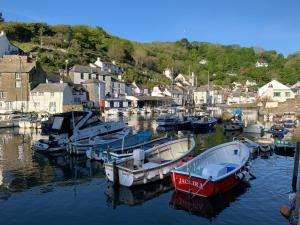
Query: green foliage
point(144, 62)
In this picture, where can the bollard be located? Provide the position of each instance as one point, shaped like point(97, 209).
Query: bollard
point(115, 174)
point(296, 167)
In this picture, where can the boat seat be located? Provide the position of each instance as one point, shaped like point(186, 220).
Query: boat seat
point(214, 170)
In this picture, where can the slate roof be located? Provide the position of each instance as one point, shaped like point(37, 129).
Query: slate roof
point(50, 87)
point(88, 69)
point(15, 67)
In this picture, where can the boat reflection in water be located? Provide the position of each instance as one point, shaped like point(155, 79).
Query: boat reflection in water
point(136, 195)
point(207, 207)
point(284, 152)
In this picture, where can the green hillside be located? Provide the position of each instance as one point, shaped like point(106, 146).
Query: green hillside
point(144, 62)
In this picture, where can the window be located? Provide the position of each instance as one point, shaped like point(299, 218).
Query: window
point(33, 93)
point(3, 94)
point(41, 93)
point(276, 94)
point(18, 76)
point(51, 94)
point(81, 76)
point(90, 76)
point(18, 83)
point(36, 104)
point(103, 78)
point(287, 94)
point(52, 104)
point(77, 100)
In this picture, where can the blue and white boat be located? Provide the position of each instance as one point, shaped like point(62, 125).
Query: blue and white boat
point(125, 142)
point(204, 123)
point(277, 130)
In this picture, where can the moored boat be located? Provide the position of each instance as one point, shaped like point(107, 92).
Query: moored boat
point(167, 120)
point(234, 125)
point(204, 123)
point(277, 130)
point(123, 152)
point(217, 170)
point(265, 144)
point(80, 147)
point(151, 165)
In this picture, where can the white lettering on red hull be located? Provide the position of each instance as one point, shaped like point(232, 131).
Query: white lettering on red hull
point(191, 182)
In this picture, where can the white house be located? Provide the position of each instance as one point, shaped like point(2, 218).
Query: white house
point(113, 86)
point(241, 98)
point(200, 95)
point(139, 89)
point(275, 91)
point(188, 80)
point(6, 48)
point(169, 73)
point(158, 92)
point(51, 97)
point(106, 66)
point(261, 63)
point(250, 83)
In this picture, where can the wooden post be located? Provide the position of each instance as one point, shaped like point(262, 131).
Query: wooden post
point(296, 167)
point(115, 173)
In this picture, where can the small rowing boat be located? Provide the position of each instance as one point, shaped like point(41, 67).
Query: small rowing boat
point(217, 170)
point(151, 165)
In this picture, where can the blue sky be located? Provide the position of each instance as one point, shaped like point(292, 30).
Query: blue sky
point(271, 24)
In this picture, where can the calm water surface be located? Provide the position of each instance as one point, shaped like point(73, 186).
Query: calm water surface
point(37, 189)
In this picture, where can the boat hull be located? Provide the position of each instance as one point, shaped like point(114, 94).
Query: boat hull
point(128, 177)
point(203, 126)
point(203, 187)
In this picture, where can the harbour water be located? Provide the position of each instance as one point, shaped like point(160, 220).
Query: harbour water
point(38, 189)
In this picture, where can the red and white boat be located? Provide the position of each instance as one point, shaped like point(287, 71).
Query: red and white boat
point(215, 171)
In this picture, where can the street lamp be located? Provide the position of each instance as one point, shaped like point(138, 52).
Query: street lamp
point(66, 69)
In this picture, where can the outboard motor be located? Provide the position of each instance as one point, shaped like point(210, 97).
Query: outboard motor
point(138, 158)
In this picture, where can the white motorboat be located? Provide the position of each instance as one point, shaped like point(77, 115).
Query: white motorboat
point(12, 120)
point(90, 126)
point(151, 165)
point(76, 126)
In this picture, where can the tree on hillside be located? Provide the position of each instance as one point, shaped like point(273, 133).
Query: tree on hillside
point(140, 57)
point(116, 52)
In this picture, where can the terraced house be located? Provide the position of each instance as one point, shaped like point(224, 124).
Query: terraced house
point(18, 75)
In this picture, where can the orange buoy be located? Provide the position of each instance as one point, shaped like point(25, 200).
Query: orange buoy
point(285, 211)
